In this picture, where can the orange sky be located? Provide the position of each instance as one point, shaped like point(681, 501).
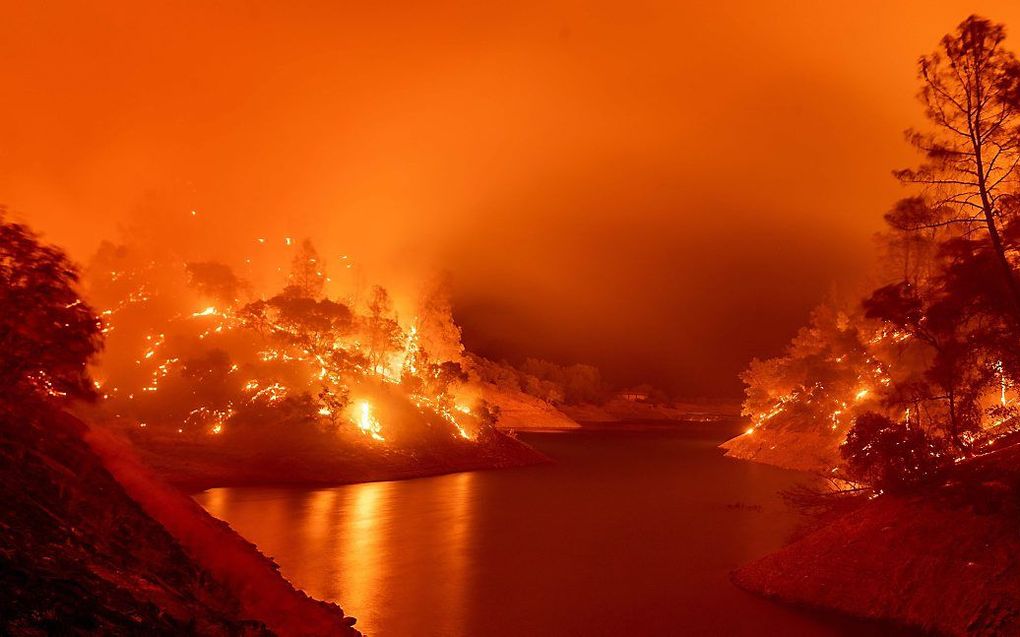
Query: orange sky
point(658, 189)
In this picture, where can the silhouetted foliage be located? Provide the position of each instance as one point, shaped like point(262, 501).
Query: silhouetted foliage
point(936, 348)
point(313, 320)
point(888, 455)
point(48, 334)
point(215, 280)
point(307, 273)
point(334, 400)
point(438, 334)
point(969, 88)
point(579, 383)
point(382, 332)
point(554, 383)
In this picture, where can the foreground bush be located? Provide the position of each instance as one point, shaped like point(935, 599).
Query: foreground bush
point(889, 455)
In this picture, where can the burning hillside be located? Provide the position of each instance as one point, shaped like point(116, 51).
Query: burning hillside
point(844, 364)
point(199, 358)
point(92, 544)
point(801, 405)
point(922, 370)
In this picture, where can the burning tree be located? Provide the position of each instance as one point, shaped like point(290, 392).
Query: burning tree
point(196, 353)
point(380, 330)
point(436, 329)
point(935, 348)
point(966, 310)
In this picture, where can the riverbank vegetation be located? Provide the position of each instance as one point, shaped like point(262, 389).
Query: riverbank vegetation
point(205, 370)
point(907, 399)
point(927, 360)
point(540, 394)
point(90, 544)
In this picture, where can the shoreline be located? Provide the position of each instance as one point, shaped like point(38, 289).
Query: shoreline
point(864, 562)
point(866, 565)
point(192, 487)
point(196, 468)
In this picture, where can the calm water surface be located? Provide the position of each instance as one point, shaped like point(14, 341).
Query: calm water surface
point(627, 533)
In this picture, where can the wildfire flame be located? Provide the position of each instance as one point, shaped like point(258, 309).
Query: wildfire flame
point(281, 358)
point(367, 422)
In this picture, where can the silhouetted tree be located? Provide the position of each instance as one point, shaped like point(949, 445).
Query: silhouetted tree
point(215, 280)
point(382, 331)
point(575, 383)
point(307, 272)
point(312, 325)
point(334, 400)
point(502, 374)
point(443, 376)
point(970, 90)
point(960, 315)
point(48, 334)
point(438, 334)
point(936, 348)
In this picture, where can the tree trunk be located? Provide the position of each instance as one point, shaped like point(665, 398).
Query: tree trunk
point(954, 427)
point(1012, 285)
point(1007, 269)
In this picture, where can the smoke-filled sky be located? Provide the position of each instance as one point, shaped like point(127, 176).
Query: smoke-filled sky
point(658, 189)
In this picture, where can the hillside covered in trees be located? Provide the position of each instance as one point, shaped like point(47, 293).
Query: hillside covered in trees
point(906, 400)
point(90, 543)
point(206, 370)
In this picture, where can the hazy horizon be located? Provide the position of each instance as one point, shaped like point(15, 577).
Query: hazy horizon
point(630, 187)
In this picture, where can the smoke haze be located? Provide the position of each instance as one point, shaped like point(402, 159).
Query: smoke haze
point(660, 190)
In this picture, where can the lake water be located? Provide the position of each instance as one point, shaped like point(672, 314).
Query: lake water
point(627, 533)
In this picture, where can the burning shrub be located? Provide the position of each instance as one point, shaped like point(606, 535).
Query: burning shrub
point(834, 369)
point(889, 455)
point(290, 422)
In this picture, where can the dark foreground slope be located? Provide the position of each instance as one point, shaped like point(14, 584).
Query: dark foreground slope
point(78, 555)
point(947, 562)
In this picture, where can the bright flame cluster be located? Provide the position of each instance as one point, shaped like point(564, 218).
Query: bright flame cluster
point(335, 362)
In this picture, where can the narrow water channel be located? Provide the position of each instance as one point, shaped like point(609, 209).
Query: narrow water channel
point(627, 533)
